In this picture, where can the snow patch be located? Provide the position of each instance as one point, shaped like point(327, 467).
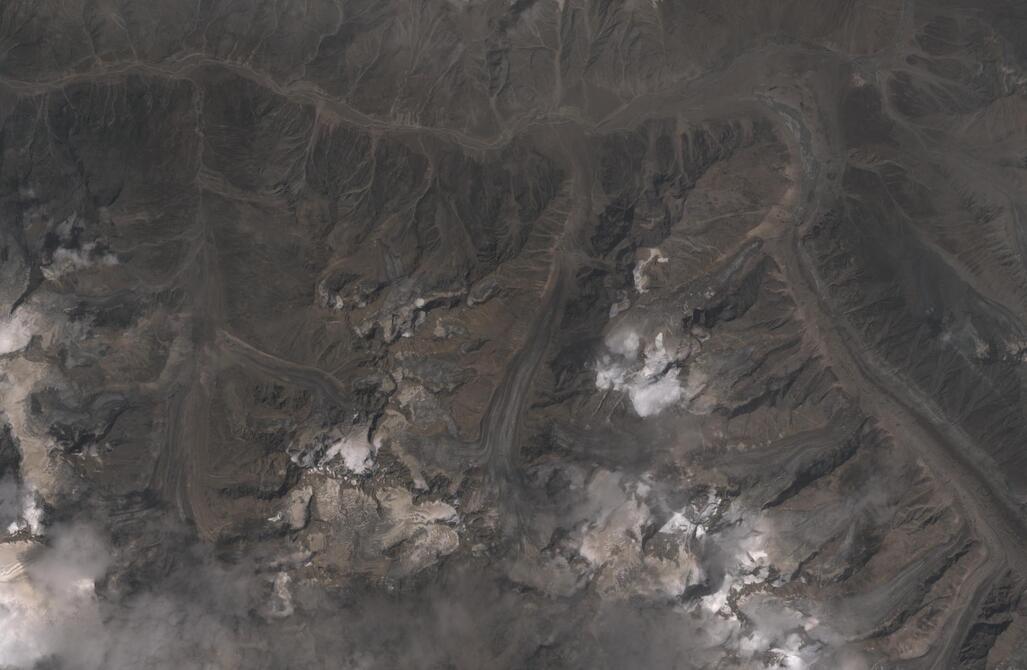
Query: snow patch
point(355, 450)
point(48, 603)
point(639, 273)
point(779, 635)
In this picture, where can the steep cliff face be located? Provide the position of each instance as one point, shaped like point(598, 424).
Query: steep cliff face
point(547, 333)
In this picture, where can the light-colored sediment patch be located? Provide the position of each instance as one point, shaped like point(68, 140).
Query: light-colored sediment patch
point(421, 531)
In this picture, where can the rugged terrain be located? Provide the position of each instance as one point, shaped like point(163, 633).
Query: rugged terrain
point(513, 334)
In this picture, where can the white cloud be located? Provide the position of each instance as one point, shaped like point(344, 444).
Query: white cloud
point(624, 342)
point(66, 261)
point(355, 450)
point(47, 603)
point(778, 631)
point(651, 387)
point(15, 332)
point(652, 398)
point(31, 515)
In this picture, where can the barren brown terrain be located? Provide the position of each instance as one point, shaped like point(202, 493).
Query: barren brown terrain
point(513, 334)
